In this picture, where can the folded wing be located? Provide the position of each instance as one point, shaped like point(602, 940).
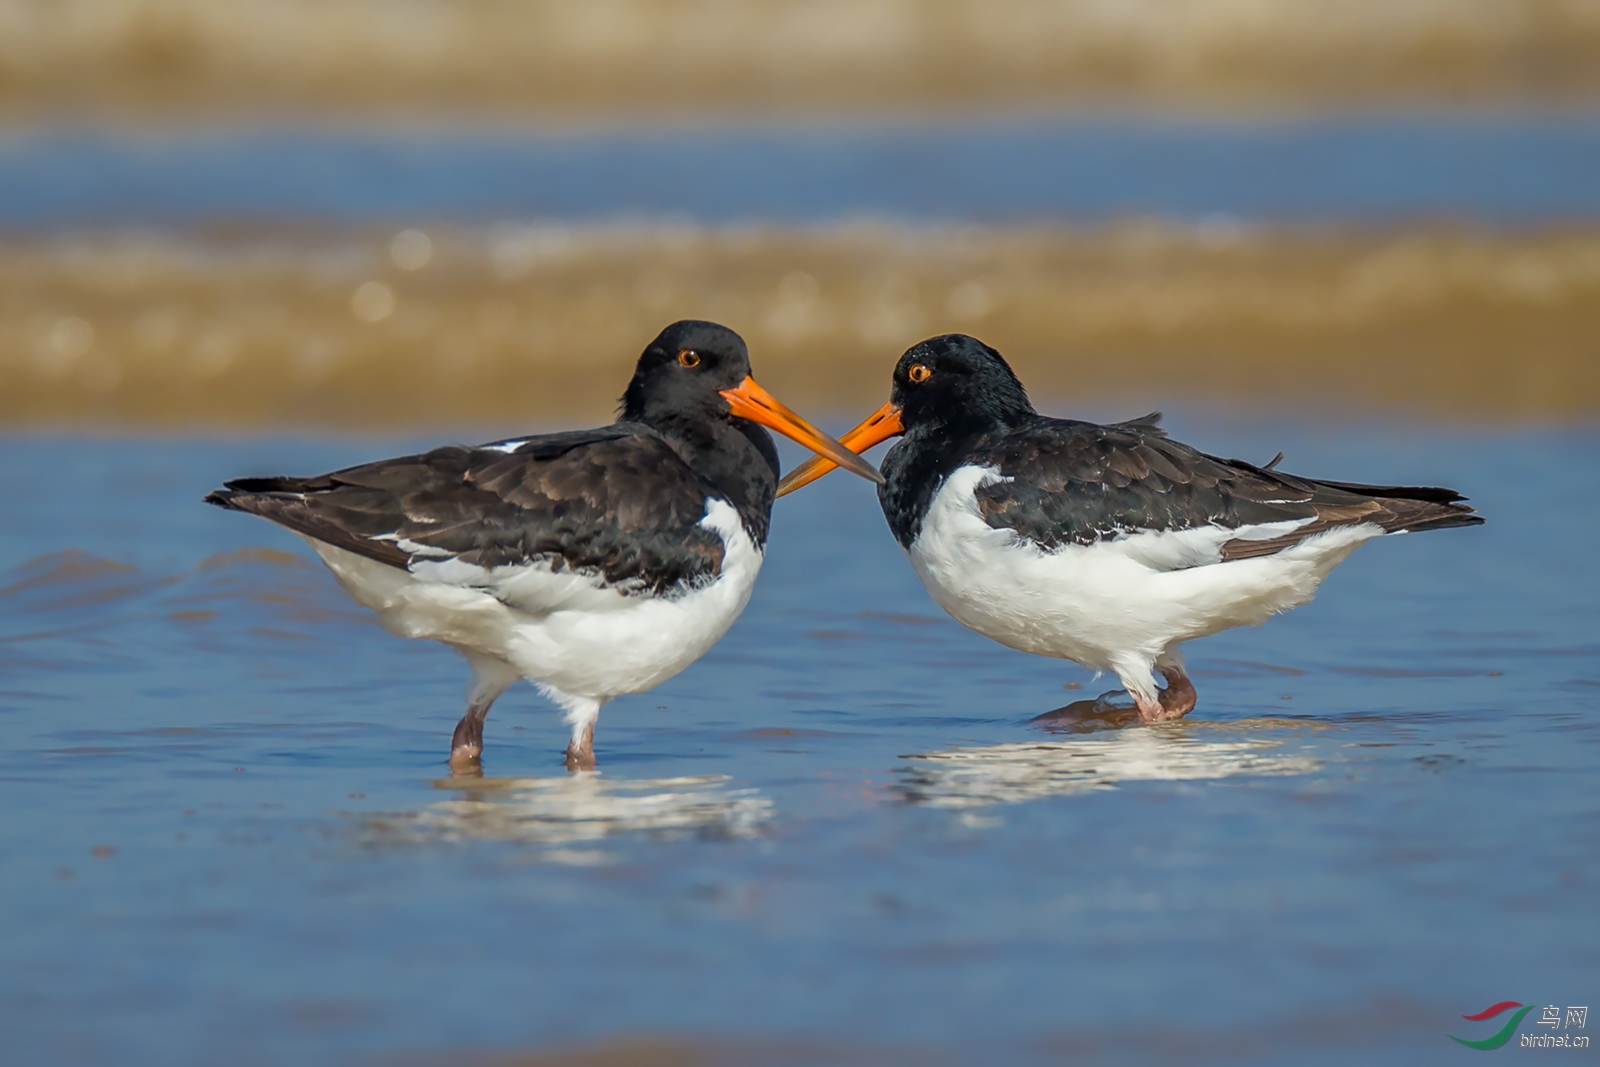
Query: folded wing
point(615, 503)
point(1066, 482)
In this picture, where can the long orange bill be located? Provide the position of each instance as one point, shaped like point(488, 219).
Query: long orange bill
point(879, 426)
point(750, 401)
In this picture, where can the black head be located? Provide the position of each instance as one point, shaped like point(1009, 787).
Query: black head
point(945, 390)
point(957, 384)
point(682, 374)
point(693, 384)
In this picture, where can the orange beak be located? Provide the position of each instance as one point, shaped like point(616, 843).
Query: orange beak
point(750, 401)
point(879, 426)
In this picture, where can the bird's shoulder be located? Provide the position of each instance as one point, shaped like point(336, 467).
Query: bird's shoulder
point(627, 474)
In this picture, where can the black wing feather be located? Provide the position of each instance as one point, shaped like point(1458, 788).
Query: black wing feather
point(1076, 483)
point(616, 501)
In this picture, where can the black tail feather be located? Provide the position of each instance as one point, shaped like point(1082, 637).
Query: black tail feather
point(278, 500)
point(1429, 493)
point(233, 491)
point(1463, 517)
point(1414, 508)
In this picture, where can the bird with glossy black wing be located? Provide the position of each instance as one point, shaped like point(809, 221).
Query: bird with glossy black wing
point(1109, 545)
point(592, 563)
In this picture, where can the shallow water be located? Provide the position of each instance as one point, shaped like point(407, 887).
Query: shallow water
point(1500, 168)
point(837, 838)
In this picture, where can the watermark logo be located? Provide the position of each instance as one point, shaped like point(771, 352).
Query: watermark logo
point(1551, 1016)
point(1505, 1032)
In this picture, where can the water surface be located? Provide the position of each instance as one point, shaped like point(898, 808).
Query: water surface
point(837, 838)
point(1498, 168)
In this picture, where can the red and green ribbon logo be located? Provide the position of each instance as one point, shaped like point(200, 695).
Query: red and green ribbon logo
point(1505, 1032)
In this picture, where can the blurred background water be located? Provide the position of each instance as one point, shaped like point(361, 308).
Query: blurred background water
point(282, 238)
point(1431, 166)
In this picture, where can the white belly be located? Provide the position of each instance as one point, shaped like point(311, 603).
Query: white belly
point(564, 630)
point(1115, 602)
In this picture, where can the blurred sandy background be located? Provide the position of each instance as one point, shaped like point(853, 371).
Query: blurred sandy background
point(160, 58)
point(338, 323)
point(545, 320)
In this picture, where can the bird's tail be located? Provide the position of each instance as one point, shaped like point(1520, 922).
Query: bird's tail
point(243, 494)
point(1413, 508)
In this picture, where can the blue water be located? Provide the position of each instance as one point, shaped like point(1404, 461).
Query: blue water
point(1502, 169)
point(837, 838)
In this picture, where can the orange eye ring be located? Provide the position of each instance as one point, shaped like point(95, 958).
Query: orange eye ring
point(688, 358)
point(919, 372)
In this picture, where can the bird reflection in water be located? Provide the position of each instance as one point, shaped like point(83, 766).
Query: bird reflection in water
point(578, 809)
point(1013, 772)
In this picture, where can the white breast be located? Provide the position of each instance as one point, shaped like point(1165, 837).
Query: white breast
point(567, 630)
point(1115, 601)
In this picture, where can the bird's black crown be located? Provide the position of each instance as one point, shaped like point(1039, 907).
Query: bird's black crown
point(957, 383)
point(682, 372)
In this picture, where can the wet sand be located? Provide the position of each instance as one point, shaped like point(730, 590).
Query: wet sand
point(536, 322)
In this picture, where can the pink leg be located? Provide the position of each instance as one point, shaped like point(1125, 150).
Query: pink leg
point(490, 677)
point(1173, 702)
point(580, 750)
point(467, 745)
point(1178, 698)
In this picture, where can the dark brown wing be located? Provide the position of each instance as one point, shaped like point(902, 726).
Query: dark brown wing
point(616, 502)
point(1076, 483)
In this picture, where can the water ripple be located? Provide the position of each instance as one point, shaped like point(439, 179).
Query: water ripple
point(963, 777)
point(576, 809)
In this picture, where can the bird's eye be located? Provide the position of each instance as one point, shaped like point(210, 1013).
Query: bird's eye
point(919, 372)
point(688, 358)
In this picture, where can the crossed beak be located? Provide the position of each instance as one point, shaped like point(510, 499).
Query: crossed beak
point(879, 426)
point(750, 401)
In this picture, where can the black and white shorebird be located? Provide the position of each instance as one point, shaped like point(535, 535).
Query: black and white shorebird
point(592, 563)
point(1108, 545)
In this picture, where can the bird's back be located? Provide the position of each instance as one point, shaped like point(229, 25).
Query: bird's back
point(1060, 482)
point(615, 502)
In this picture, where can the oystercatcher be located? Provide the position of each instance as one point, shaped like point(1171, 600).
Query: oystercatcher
point(1108, 545)
point(593, 563)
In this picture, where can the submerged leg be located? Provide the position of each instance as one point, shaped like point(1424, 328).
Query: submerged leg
point(1159, 705)
point(1178, 698)
point(580, 750)
point(581, 713)
point(490, 678)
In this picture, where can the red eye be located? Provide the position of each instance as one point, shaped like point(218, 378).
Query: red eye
point(919, 372)
point(688, 358)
